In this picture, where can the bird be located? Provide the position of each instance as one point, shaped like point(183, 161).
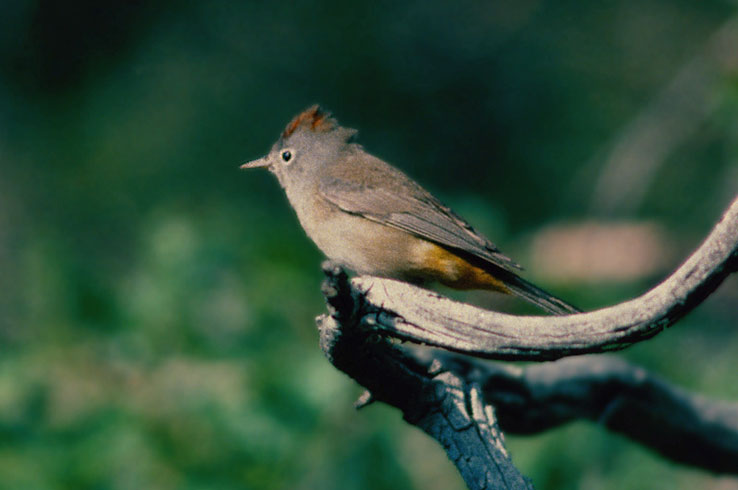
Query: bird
point(370, 217)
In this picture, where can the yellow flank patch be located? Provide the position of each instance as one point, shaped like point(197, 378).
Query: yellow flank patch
point(449, 269)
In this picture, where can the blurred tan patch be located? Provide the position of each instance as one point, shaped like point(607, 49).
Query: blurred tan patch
point(81, 385)
point(183, 384)
point(596, 251)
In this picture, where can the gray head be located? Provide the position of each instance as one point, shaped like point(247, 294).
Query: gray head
point(310, 141)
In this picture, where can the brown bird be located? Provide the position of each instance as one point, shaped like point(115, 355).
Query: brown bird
point(370, 217)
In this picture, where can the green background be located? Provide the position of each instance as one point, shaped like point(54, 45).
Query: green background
point(157, 304)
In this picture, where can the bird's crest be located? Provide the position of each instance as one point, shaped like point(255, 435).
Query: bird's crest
point(313, 118)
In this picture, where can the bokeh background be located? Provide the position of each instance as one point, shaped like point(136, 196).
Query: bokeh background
point(157, 304)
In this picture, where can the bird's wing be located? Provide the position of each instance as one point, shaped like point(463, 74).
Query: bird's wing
point(386, 195)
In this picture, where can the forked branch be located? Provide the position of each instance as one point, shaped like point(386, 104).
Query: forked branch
point(681, 426)
point(462, 403)
point(446, 406)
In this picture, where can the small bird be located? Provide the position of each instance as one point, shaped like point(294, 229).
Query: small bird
point(367, 215)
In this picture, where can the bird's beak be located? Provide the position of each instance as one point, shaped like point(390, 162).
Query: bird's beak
point(260, 162)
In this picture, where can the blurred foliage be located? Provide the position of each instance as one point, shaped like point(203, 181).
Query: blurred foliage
point(156, 320)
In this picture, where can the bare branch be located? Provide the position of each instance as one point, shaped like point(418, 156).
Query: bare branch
point(447, 407)
point(406, 312)
point(681, 426)
point(452, 397)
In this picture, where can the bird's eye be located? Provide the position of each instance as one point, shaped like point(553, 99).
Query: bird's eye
point(286, 155)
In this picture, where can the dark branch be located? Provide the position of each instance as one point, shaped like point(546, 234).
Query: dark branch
point(452, 398)
point(681, 426)
point(406, 312)
point(447, 407)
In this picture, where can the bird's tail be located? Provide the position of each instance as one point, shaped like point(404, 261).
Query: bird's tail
point(474, 272)
point(543, 299)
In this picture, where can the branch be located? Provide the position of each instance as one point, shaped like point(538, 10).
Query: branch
point(452, 397)
point(681, 426)
point(406, 312)
point(447, 407)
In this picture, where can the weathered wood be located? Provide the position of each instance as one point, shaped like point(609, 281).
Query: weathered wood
point(407, 312)
point(454, 399)
point(447, 407)
point(681, 426)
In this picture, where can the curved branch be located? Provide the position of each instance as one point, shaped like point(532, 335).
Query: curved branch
point(452, 397)
point(447, 407)
point(681, 426)
point(406, 312)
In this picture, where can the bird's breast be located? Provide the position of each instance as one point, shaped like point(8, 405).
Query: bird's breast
point(370, 247)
